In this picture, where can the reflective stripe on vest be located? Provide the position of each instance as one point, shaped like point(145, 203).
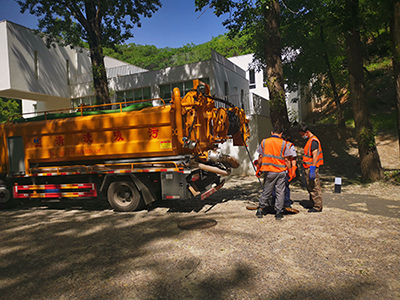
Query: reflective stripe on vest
point(308, 157)
point(273, 155)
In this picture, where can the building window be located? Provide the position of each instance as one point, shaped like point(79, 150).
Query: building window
point(34, 109)
point(265, 79)
point(242, 99)
point(184, 87)
point(67, 65)
point(252, 78)
point(134, 95)
point(91, 100)
point(226, 88)
point(166, 92)
point(36, 59)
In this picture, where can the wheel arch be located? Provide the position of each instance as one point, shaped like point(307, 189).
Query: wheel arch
point(142, 188)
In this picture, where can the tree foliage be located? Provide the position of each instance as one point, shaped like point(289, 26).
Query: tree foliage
point(100, 23)
point(152, 58)
point(314, 51)
point(260, 20)
point(317, 32)
point(8, 108)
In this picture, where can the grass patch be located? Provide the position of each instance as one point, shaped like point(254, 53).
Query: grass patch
point(393, 175)
point(384, 121)
point(379, 64)
point(328, 119)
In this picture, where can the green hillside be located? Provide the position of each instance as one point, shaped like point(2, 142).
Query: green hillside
point(152, 58)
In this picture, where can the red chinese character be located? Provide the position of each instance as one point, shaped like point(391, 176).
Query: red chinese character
point(59, 140)
point(118, 136)
point(153, 132)
point(87, 138)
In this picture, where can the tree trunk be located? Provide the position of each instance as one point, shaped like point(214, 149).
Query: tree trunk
point(99, 75)
point(96, 53)
point(336, 99)
point(274, 69)
point(371, 168)
point(395, 37)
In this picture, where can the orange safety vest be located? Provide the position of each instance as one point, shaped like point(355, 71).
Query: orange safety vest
point(273, 155)
point(308, 157)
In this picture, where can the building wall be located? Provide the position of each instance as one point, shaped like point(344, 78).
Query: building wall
point(29, 108)
point(4, 62)
point(35, 72)
point(218, 70)
point(298, 110)
point(230, 76)
point(35, 68)
point(245, 62)
point(294, 107)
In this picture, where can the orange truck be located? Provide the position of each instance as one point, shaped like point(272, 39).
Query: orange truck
point(132, 155)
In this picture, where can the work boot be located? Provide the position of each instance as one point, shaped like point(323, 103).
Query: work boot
point(312, 210)
point(290, 210)
point(259, 213)
point(279, 215)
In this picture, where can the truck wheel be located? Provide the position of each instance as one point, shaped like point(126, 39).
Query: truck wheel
point(6, 199)
point(124, 196)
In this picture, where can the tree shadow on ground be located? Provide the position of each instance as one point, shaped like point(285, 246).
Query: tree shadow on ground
point(239, 192)
point(48, 254)
point(65, 204)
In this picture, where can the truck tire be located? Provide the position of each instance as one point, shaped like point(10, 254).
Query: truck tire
point(124, 196)
point(6, 198)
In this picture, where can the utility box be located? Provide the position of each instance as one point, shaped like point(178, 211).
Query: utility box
point(173, 186)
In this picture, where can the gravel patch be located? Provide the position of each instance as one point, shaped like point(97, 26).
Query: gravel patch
point(85, 250)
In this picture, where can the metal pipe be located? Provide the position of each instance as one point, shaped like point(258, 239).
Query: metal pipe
point(178, 113)
point(215, 170)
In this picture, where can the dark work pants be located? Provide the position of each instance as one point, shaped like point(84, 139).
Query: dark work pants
point(314, 188)
point(273, 180)
point(286, 201)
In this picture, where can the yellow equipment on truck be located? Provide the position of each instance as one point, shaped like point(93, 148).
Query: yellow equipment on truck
point(133, 155)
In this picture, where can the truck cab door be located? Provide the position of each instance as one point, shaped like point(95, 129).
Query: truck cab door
point(16, 155)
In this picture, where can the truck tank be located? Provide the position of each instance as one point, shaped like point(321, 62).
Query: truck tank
point(191, 125)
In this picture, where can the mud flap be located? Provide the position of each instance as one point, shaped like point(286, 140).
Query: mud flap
point(146, 194)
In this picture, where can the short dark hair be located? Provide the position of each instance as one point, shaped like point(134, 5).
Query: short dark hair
point(303, 127)
point(277, 129)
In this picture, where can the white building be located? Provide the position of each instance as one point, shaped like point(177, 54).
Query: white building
point(298, 110)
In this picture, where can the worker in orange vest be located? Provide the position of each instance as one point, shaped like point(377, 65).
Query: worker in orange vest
point(312, 159)
point(273, 159)
point(291, 173)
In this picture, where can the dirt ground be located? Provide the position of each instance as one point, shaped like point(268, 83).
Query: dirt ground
point(85, 250)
